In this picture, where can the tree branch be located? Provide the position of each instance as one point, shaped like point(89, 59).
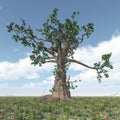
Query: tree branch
point(81, 39)
point(53, 61)
point(43, 40)
point(78, 62)
point(49, 50)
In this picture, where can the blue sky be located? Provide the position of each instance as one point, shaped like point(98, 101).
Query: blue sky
point(18, 77)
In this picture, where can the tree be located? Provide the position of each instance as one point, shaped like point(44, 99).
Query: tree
point(56, 42)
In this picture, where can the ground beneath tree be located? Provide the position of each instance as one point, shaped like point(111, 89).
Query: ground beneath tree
point(50, 98)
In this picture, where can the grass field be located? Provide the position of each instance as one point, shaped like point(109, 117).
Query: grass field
point(81, 108)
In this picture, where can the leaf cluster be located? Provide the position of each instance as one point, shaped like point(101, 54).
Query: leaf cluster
point(54, 30)
point(26, 36)
point(102, 65)
point(89, 29)
point(23, 34)
point(71, 84)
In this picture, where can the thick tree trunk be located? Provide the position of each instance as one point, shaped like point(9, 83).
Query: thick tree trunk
point(60, 89)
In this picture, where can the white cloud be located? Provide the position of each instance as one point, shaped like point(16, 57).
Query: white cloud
point(33, 85)
point(21, 69)
point(47, 82)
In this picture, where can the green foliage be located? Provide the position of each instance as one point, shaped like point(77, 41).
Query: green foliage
point(80, 108)
point(51, 90)
point(72, 84)
point(53, 31)
point(102, 66)
point(25, 35)
point(57, 34)
point(89, 29)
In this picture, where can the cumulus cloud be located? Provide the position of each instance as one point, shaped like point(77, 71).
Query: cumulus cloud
point(21, 69)
point(47, 82)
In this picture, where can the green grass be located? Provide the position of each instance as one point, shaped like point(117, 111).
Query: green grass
point(81, 108)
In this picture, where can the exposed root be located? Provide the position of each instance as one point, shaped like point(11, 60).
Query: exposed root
point(49, 98)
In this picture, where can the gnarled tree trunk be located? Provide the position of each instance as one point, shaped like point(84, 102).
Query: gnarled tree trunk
point(60, 88)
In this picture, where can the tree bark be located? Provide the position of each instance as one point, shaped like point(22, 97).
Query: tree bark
point(60, 89)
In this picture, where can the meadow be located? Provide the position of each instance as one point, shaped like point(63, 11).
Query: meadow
point(80, 108)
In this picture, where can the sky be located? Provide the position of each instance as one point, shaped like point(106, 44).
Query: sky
point(19, 78)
